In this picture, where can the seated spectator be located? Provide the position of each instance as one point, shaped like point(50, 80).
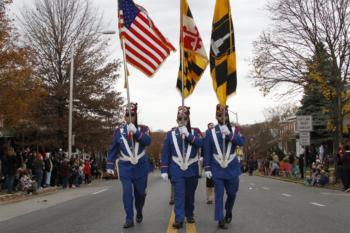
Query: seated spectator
point(275, 168)
point(322, 179)
point(285, 167)
point(26, 183)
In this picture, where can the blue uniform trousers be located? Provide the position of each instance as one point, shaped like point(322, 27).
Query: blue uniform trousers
point(185, 188)
point(139, 185)
point(231, 186)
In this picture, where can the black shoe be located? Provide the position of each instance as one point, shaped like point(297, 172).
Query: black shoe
point(128, 225)
point(139, 218)
point(222, 224)
point(228, 217)
point(171, 202)
point(209, 202)
point(190, 220)
point(178, 225)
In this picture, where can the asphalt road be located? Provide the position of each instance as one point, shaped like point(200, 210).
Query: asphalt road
point(263, 205)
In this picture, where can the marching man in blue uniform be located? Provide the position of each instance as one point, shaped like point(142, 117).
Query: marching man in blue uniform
point(179, 160)
point(128, 145)
point(221, 163)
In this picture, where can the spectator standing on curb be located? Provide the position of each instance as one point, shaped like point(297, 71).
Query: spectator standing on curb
point(64, 172)
point(339, 163)
point(321, 153)
point(301, 162)
point(346, 167)
point(87, 172)
point(251, 165)
point(38, 167)
point(55, 169)
point(48, 169)
point(2, 175)
point(29, 162)
point(10, 168)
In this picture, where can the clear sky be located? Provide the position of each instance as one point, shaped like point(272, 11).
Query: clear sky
point(157, 97)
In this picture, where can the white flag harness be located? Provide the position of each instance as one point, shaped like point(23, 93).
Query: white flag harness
point(224, 161)
point(182, 161)
point(133, 158)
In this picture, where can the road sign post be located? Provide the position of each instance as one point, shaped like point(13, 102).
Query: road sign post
point(304, 127)
point(304, 123)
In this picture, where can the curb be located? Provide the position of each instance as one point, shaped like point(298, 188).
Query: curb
point(21, 196)
point(298, 182)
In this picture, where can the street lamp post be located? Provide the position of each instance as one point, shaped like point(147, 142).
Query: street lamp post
point(235, 113)
point(70, 121)
point(70, 103)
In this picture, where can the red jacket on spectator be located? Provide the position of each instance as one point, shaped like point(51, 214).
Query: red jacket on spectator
point(87, 168)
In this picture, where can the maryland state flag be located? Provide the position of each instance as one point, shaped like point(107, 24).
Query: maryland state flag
point(195, 59)
point(222, 52)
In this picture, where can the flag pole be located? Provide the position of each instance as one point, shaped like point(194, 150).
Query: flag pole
point(127, 91)
point(224, 135)
point(182, 74)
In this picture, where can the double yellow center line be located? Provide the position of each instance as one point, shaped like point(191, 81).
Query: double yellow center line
point(190, 228)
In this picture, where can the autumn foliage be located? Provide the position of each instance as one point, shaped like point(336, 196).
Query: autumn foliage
point(18, 89)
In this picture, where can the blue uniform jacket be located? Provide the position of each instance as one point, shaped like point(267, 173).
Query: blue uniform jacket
point(210, 164)
point(126, 169)
point(167, 163)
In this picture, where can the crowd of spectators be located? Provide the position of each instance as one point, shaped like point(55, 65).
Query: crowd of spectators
point(293, 166)
point(28, 170)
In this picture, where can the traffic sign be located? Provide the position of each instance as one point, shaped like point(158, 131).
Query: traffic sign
point(304, 123)
point(304, 138)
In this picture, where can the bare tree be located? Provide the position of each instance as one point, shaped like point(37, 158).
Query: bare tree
point(54, 28)
point(282, 53)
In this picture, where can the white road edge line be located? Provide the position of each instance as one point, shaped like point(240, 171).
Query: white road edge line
point(317, 204)
point(99, 191)
point(286, 195)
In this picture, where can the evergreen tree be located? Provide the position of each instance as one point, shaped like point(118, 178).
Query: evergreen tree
point(318, 99)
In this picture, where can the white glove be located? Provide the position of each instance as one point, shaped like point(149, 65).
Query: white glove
point(183, 130)
point(224, 130)
point(208, 174)
point(164, 176)
point(110, 171)
point(132, 128)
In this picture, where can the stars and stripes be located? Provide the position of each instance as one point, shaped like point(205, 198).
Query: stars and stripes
point(145, 47)
point(222, 52)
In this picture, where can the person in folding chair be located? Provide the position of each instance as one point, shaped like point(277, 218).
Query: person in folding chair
point(179, 160)
point(128, 144)
point(222, 164)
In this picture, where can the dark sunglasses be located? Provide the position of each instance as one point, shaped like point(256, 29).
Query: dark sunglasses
point(132, 114)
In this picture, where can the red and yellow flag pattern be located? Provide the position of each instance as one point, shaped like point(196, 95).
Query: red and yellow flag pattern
point(195, 58)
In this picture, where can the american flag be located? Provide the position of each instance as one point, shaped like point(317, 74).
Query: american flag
point(145, 47)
